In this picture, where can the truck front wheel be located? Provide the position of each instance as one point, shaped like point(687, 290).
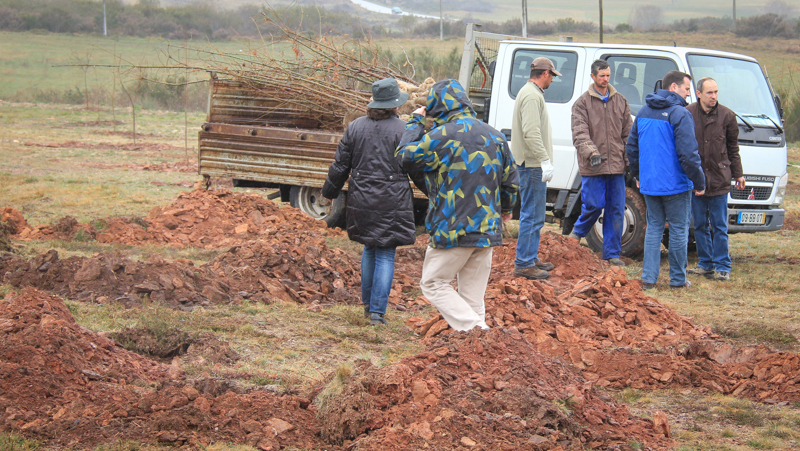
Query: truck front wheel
point(310, 201)
point(633, 226)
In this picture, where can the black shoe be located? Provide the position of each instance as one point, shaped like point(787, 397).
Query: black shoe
point(366, 310)
point(698, 271)
point(376, 319)
point(677, 287)
point(647, 286)
point(574, 236)
point(531, 273)
point(545, 266)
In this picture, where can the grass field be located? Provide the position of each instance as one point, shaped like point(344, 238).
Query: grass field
point(33, 65)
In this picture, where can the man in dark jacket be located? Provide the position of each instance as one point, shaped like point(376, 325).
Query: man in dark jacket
point(717, 134)
point(380, 214)
point(472, 186)
point(662, 152)
point(601, 121)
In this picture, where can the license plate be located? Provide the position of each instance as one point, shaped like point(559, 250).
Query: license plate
point(751, 218)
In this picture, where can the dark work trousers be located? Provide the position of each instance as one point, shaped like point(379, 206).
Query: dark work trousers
point(598, 193)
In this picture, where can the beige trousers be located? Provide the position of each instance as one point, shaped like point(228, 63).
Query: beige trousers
point(463, 309)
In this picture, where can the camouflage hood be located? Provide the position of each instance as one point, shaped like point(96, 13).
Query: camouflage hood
point(447, 100)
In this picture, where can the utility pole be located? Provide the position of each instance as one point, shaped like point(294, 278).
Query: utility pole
point(105, 29)
point(441, 22)
point(524, 18)
point(734, 15)
point(601, 21)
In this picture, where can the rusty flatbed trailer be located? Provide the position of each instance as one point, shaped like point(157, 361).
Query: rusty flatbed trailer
point(257, 142)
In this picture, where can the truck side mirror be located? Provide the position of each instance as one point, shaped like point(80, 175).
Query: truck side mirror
point(778, 105)
point(492, 65)
point(658, 86)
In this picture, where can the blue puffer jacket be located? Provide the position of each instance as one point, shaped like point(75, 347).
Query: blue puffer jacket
point(662, 149)
point(469, 171)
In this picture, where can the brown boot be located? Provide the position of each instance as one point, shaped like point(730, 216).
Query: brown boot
point(531, 273)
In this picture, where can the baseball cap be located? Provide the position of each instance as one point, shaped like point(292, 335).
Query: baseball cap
point(543, 63)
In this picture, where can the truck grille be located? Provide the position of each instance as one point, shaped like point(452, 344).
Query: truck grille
point(751, 193)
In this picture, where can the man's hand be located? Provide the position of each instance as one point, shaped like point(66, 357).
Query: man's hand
point(547, 171)
point(506, 218)
point(740, 183)
point(700, 193)
point(595, 160)
point(421, 111)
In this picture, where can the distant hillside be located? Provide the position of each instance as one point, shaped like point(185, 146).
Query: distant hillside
point(615, 11)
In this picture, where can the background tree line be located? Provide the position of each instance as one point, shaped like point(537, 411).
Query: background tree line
point(148, 18)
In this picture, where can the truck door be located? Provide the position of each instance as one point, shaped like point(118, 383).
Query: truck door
point(634, 72)
point(511, 77)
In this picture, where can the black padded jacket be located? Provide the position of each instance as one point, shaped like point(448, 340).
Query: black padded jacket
point(380, 208)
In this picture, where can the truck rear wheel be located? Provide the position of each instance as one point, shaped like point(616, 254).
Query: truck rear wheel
point(633, 226)
point(311, 202)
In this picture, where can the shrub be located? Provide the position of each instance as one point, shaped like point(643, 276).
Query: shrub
point(623, 28)
point(570, 25)
point(765, 25)
point(704, 24)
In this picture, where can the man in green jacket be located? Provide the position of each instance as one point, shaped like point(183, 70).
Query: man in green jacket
point(532, 147)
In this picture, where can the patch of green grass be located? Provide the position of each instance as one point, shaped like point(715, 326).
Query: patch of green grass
point(763, 443)
point(13, 442)
point(629, 395)
point(6, 289)
point(759, 333)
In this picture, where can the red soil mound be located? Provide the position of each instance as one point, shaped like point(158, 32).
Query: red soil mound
point(63, 384)
point(200, 218)
point(604, 324)
point(492, 390)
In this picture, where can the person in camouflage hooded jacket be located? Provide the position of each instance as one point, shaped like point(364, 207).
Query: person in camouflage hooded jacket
point(472, 186)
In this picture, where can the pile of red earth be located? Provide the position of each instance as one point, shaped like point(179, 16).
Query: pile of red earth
point(606, 326)
point(70, 387)
point(199, 218)
point(296, 268)
point(62, 384)
point(488, 390)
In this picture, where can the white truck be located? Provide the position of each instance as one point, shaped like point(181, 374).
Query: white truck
point(255, 140)
point(495, 67)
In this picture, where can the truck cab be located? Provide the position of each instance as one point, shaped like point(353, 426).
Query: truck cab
point(495, 67)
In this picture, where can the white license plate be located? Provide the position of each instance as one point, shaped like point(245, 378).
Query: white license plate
point(751, 218)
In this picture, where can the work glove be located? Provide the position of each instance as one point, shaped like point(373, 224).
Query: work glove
point(547, 171)
point(595, 160)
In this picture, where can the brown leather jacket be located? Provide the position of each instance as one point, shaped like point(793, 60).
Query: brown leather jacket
point(600, 128)
point(717, 136)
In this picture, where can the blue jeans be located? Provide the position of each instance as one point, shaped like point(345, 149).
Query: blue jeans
point(598, 193)
point(377, 273)
point(712, 242)
point(673, 209)
point(532, 198)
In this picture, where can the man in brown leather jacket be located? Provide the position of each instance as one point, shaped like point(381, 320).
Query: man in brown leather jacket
point(601, 121)
point(717, 134)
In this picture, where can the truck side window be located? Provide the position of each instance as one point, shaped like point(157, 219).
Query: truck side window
point(560, 91)
point(635, 76)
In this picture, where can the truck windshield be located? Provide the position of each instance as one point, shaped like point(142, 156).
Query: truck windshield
point(742, 87)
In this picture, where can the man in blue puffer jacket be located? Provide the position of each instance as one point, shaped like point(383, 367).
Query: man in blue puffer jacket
point(663, 157)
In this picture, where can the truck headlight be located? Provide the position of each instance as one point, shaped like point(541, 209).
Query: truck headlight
point(781, 189)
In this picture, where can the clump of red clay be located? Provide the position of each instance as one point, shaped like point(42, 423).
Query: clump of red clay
point(69, 387)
